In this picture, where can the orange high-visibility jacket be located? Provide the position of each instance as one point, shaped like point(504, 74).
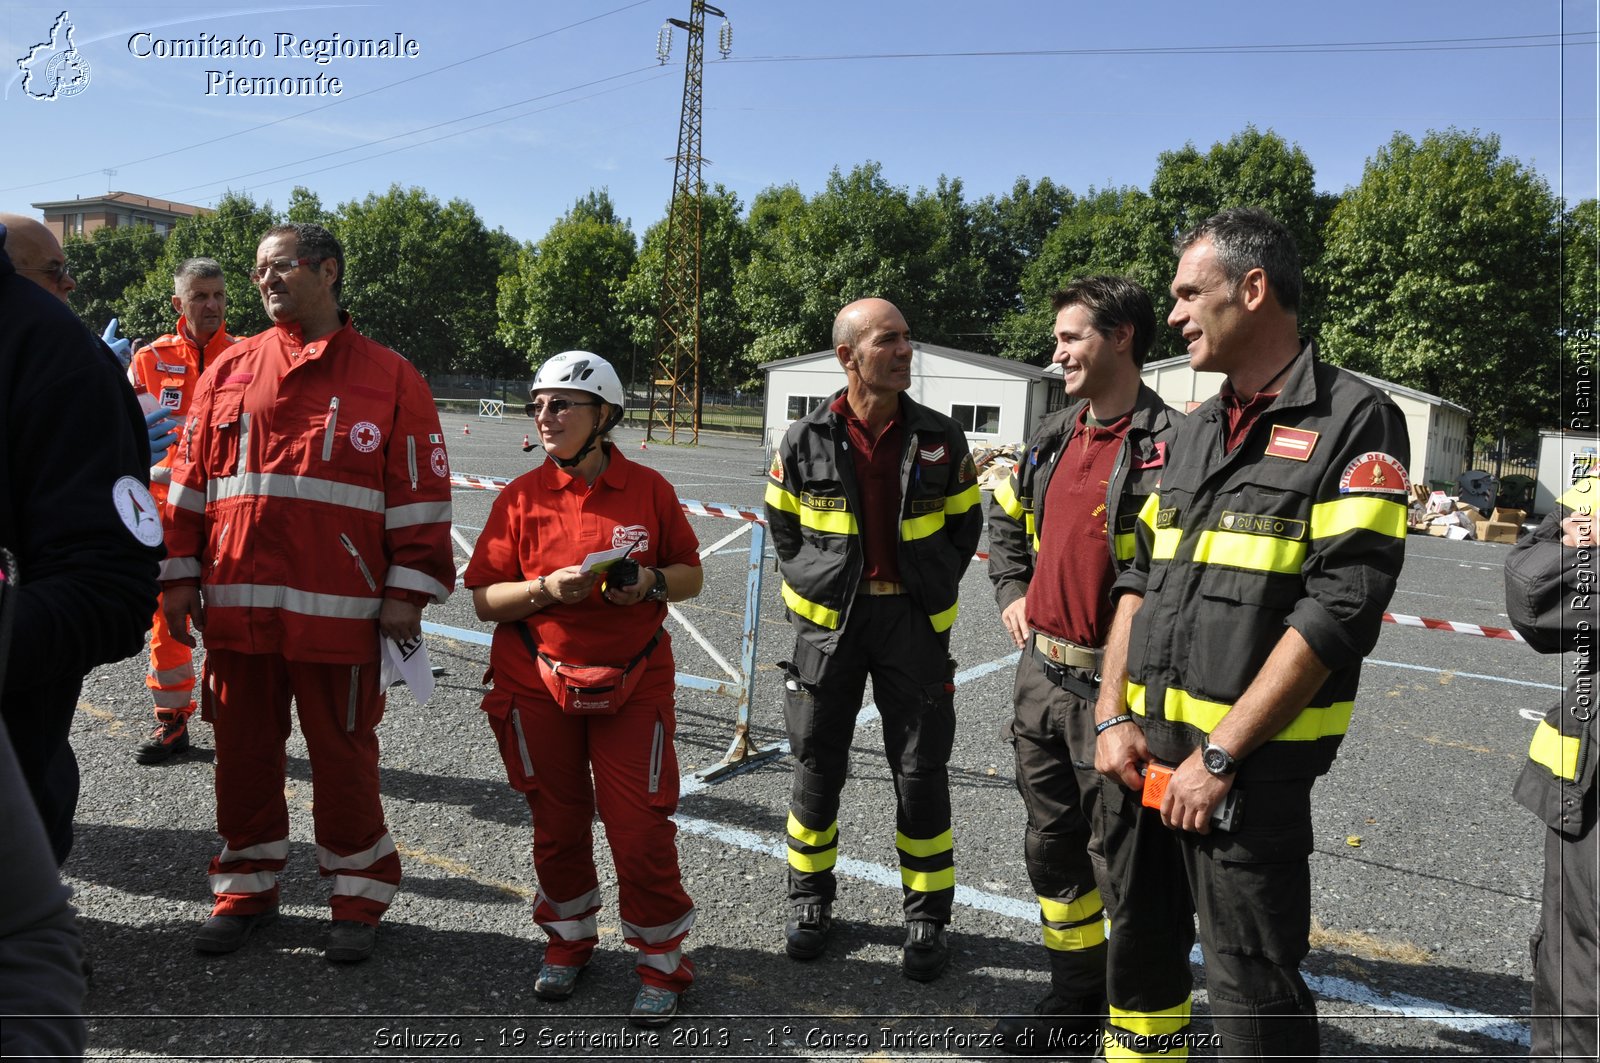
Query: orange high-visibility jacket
point(170, 368)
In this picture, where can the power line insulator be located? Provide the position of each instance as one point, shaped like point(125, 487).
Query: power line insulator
point(664, 43)
point(725, 38)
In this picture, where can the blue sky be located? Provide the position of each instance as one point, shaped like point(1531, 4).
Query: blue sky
point(567, 95)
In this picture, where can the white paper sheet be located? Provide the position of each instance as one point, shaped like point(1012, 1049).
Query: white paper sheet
point(408, 661)
point(601, 560)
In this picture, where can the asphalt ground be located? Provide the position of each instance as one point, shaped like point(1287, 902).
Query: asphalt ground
point(1425, 874)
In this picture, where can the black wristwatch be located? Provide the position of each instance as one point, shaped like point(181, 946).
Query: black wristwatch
point(1217, 761)
point(657, 591)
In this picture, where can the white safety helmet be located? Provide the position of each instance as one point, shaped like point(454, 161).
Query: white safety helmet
point(580, 371)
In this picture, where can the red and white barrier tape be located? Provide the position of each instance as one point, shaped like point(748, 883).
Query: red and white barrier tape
point(1452, 626)
point(688, 505)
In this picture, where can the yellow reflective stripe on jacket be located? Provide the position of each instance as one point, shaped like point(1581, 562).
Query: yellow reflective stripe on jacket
point(941, 843)
point(921, 527)
point(1165, 547)
point(1356, 513)
point(814, 838)
point(837, 522)
point(957, 504)
point(942, 621)
point(1262, 553)
point(1554, 751)
point(818, 614)
point(1125, 546)
point(1005, 496)
point(1312, 723)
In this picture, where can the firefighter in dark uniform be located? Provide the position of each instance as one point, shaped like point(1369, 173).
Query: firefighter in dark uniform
point(1551, 597)
point(1263, 566)
point(1086, 473)
point(874, 509)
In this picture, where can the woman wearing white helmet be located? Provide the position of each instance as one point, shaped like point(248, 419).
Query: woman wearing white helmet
point(584, 678)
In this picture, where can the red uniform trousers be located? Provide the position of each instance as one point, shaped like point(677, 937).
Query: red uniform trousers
point(246, 701)
point(548, 756)
point(171, 674)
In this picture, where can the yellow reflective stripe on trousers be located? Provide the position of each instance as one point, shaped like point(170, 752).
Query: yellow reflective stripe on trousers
point(941, 843)
point(1358, 513)
point(1005, 496)
point(809, 863)
point(1313, 722)
point(818, 614)
point(1152, 1023)
point(1169, 1023)
point(814, 838)
point(1261, 553)
point(1075, 939)
point(1554, 751)
point(925, 881)
point(1071, 911)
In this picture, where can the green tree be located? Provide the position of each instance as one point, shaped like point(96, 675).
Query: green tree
point(724, 339)
point(106, 265)
point(1008, 233)
point(229, 234)
point(1441, 273)
point(418, 278)
point(1105, 231)
point(1579, 408)
point(563, 293)
point(1251, 168)
point(859, 236)
point(305, 207)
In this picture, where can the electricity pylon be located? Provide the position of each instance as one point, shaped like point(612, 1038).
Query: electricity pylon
point(675, 384)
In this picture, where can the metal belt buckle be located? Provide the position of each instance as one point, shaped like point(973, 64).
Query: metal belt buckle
point(1056, 652)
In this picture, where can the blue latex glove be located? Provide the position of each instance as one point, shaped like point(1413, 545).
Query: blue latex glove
point(163, 425)
point(122, 348)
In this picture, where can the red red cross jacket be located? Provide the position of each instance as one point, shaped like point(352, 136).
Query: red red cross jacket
point(311, 482)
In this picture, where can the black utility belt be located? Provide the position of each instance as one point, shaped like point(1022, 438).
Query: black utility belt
point(1084, 682)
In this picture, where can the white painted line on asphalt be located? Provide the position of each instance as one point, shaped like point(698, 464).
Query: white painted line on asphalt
point(1465, 675)
point(1325, 986)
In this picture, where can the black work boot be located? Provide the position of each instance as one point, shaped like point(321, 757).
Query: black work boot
point(1059, 1026)
point(807, 931)
point(926, 952)
point(170, 738)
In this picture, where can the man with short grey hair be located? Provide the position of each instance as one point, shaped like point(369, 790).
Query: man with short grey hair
point(168, 370)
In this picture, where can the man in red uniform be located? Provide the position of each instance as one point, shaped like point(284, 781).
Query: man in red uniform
point(169, 371)
point(309, 512)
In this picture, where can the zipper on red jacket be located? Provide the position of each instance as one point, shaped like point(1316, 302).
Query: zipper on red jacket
point(366, 573)
point(332, 427)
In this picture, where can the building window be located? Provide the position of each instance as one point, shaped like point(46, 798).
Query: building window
point(985, 420)
point(801, 405)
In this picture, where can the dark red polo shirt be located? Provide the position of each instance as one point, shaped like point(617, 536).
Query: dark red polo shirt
point(1242, 415)
point(877, 466)
point(1069, 595)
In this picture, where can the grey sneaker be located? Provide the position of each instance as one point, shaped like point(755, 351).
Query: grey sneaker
point(350, 941)
point(556, 981)
point(653, 1006)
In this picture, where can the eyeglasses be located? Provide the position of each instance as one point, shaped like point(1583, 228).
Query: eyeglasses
point(282, 267)
point(555, 407)
point(58, 272)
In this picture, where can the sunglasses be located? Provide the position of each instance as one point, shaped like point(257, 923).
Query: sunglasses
point(555, 407)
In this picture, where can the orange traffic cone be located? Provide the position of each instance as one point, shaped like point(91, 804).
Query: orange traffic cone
point(526, 442)
point(642, 446)
point(465, 430)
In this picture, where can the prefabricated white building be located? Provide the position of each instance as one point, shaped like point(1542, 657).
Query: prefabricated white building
point(996, 400)
point(1440, 446)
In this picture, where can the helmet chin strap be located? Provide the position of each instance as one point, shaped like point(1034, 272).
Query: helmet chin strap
point(588, 444)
